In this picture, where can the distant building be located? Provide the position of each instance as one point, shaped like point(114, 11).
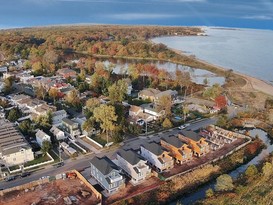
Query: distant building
point(134, 165)
point(67, 72)
point(58, 116)
point(107, 174)
point(71, 127)
point(41, 136)
point(179, 150)
point(154, 94)
point(157, 156)
point(59, 134)
point(196, 142)
point(14, 149)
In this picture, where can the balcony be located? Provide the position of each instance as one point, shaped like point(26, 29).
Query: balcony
point(115, 178)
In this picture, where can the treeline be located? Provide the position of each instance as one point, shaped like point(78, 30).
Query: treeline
point(99, 39)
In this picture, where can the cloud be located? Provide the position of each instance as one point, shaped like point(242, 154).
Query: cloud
point(138, 16)
point(258, 17)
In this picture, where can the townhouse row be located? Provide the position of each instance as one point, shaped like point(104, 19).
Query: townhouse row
point(137, 166)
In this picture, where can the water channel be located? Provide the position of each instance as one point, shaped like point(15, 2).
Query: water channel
point(200, 192)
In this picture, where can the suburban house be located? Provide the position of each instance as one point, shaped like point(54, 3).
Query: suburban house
point(157, 156)
point(67, 72)
point(179, 150)
point(58, 116)
point(153, 111)
point(41, 136)
point(107, 174)
point(59, 134)
point(134, 165)
point(195, 141)
point(71, 127)
point(14, 149)
point(134, 111)
point(148, 93)
point(154, 94)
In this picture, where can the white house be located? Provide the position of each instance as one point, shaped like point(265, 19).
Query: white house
point(134, 165)
point(58, 116)
point(151, 110)
point(41, 136)
point(59, 134)
point(156, 156)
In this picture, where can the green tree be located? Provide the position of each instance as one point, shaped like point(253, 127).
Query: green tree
point(73, 98)
point(117, 91)
point(37, 68)
point(25, 127)
point(213, 92)
point(53, 93)
point(14, 114)
point(209, 193)
point(222, 121)
point(167, 123)
point(44, 121)
point(91, 104)
point(185, 111)
point(251, 171)
point(267, 169)
point(165, 103)
point(224, 183)
point(8, 85)
point(46, 147)
point(106, 116)
point(89, 124)
point(40, 91)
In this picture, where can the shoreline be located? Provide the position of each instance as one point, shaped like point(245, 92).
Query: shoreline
point(255, 83)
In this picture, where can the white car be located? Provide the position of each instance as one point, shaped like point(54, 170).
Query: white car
point(140, 122)
point(183, 126)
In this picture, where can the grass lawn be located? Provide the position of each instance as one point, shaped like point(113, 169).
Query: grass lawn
point(37, 161)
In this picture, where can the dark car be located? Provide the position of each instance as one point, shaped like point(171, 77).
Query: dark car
point(10, 178)
point(25, 174)
point(60, 164)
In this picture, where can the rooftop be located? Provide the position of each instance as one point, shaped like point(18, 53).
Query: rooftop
point(130, 156)
point(191, 134)
point(104, 165)
point(154, 148)
point(172, 140)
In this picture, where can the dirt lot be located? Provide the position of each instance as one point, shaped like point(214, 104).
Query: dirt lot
point(208, 157)
point(51, 193)
point(130, 190)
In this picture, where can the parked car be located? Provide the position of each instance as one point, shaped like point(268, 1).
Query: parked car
point(183, 126)
point(140, 122)
point(10, 178)
point(25, 174)
point(60, 164)
point(44, 177)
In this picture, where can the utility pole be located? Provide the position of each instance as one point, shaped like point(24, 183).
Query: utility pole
point(59, 148)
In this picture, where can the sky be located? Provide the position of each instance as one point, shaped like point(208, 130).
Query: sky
point(222, 13)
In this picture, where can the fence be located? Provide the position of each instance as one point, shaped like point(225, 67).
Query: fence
point(74, 143)
point(35, 165)
point(98, 194)
point(24, 186)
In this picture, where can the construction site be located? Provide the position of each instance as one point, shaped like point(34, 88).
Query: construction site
point(68, 190)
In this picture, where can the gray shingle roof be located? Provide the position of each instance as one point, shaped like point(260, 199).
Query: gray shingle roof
point(68, 121)
point(130, 156)
point(154, 148)
point(191, 134)
point(173, 141)
point(104, 164)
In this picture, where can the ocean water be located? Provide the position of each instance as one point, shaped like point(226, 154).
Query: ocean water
point(247, 51)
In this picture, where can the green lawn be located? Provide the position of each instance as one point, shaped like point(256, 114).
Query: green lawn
point(37, 161)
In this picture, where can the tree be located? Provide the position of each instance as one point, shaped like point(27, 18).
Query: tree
point(212, 92)
point(44, 121)
point(165, 103)
point(37, 68)
point(14, 114)
point(73, 98)
point(25, 127)
point(224, 183)
point(167, 123)
point(185, 112)
point(251, 171)
point(106, 116)
point(51, 57)
point(89, 124)
point(91, 104)
point(40, 91)
point(267, 169)
point(117, 91)
point(53, 93)
point(209, 193)
point(8, 85)
point(222, 121)
point(46, 146)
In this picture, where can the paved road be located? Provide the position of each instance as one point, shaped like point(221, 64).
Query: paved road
point(83, 162)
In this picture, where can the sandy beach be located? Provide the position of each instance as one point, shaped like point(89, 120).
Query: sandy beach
point(252, 82)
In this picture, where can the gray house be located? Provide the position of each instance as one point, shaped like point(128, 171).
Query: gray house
point(71, 127)
point(107, 174)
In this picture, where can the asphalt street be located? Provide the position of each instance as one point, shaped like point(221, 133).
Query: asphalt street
point(83, 162)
